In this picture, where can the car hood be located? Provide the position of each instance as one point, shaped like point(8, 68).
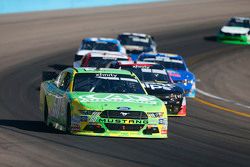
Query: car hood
point(235, 30)
point(115, 101)
point(161, 88)
point(180, 75)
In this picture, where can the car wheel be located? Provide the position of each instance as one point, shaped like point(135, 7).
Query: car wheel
point(68, 120)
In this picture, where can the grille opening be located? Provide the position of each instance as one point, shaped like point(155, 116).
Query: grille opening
point(94, 128)
point(173, 109)
point(124, 114)
point(150, 131)
point(124, 127)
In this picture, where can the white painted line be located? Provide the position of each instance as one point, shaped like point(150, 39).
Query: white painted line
point(222, 99)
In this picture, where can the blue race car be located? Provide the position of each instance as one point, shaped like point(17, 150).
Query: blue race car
point(177, 69)
point(103, 45)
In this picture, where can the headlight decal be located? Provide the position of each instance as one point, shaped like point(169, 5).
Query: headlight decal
point(155, 114)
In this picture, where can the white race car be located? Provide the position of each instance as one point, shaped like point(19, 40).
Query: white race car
point(102, 45)
point(101, 59)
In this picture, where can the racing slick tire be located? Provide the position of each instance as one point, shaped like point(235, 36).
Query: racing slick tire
point(68, 120)
point(45, 112)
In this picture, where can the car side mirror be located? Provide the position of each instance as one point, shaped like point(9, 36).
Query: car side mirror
point(56, 82)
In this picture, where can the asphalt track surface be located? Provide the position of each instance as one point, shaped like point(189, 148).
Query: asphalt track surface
point(212, 134)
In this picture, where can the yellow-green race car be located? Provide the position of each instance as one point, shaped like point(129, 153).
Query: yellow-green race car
point(102, 102)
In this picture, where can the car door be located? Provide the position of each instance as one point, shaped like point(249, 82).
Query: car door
point(59, 109)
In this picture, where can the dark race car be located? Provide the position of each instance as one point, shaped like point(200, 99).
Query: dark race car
point(137, 43)
point(158, 83)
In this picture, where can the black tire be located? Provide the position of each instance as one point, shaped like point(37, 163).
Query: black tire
point(68, 120)
point(45, 112)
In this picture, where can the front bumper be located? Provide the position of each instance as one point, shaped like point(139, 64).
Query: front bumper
point(94, 125)
point(121, 134)
point(190, 93)
point(189, 89)
point(233, 39)
point(175, 107)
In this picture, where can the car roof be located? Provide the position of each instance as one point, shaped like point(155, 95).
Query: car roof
point(136, 34)
point(94, 39)
point(101, 70)
point(241, 18)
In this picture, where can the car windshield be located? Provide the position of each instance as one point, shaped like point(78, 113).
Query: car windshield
point(135, 40)
point(239, 23)
point(169, 64)
point(173, 66)
point(107, 83)
point(105, 46)
point(148, 75)
point(100, 61)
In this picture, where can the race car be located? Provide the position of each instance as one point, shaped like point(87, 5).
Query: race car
point(102, 102)
point(107, 45)
point(99, 59)
point(236, 31)
point(136, 43)
point(176, 68)
point(158, 83)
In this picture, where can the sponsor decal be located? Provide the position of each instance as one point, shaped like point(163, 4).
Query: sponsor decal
point(118, 98)
point(141, 67)
point(138, 39)
point(155, 114)
point(153, 121)
point(75, 127)
point(154, 86)
point(106, 75)
point(164, 131)
point(87, 112)
point(122, 121)
point(154, 71)
point(152, 126)
point(174, 74)
point(75, 119)
point(168, 59)
point(165, 127)
point(84, 118)
point(94, 116)
point(163, 121)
